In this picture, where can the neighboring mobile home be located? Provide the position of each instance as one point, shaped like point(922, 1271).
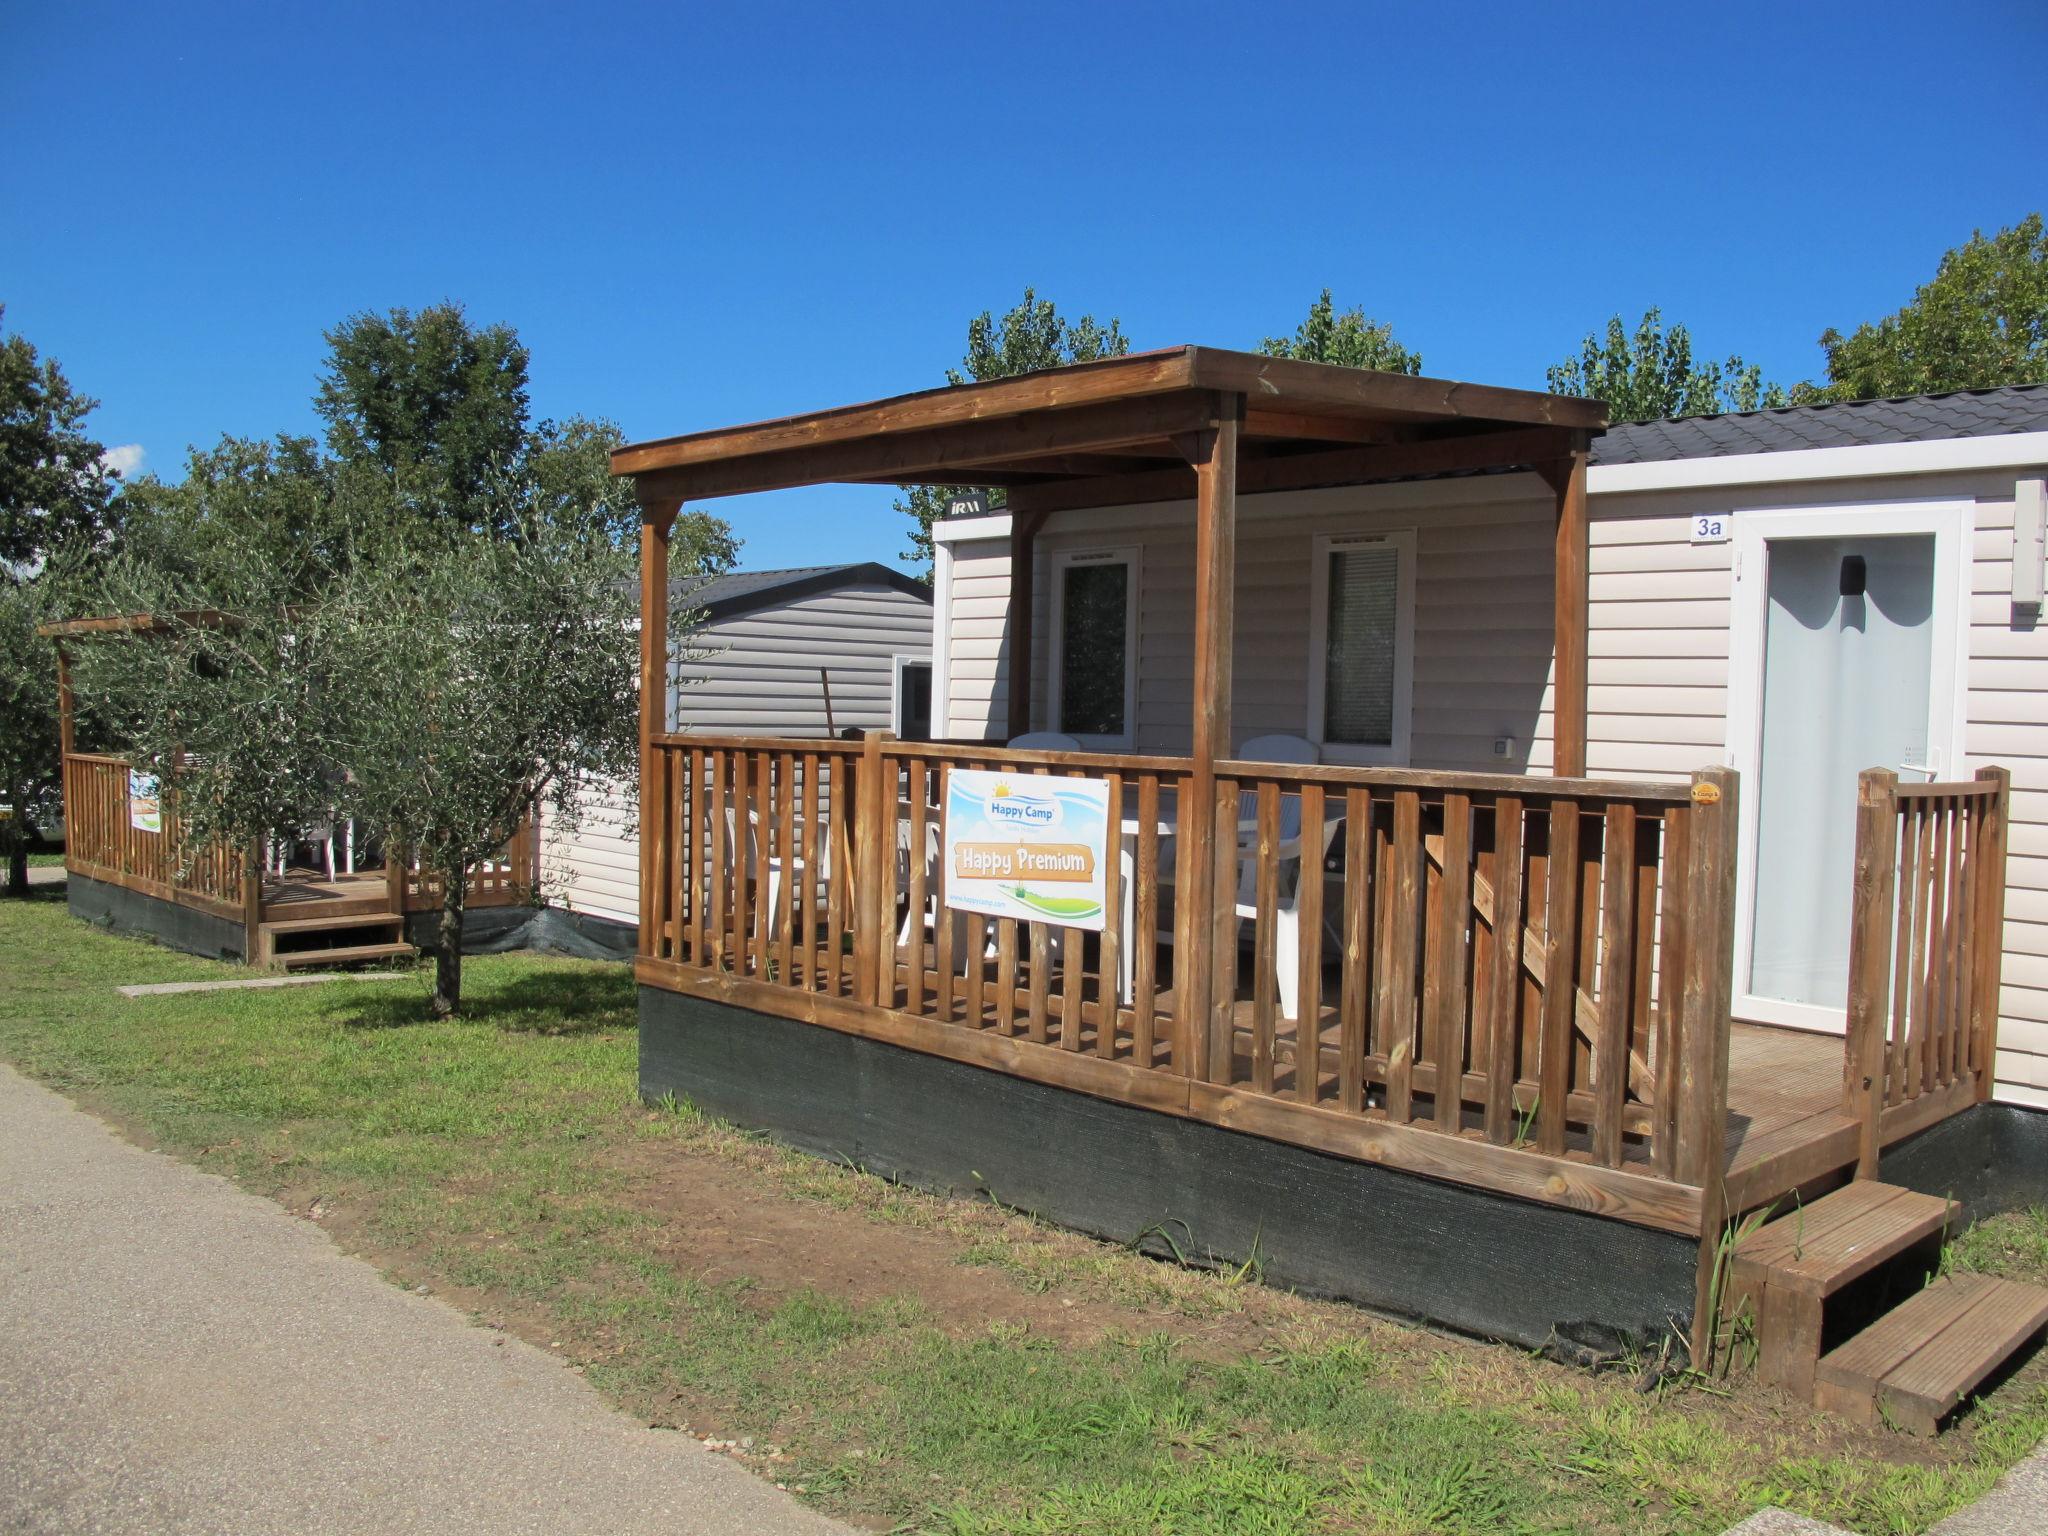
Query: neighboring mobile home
point(1723, 630)
point(813, 651)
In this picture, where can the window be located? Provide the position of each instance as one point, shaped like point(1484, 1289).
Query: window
point(1361, 647)
point(912, 714)
point(1095, 627)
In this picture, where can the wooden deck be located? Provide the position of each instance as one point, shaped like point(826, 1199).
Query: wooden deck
point(1785, 1124)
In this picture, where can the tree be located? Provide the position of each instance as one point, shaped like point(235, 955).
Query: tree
point(1652, 374)
point(226, 699)
point(439, 403)
point(1031, 336)
point(29, 748)
point(54, 484)
point(1982, 321)
point(1349, 339)
point(474, 679)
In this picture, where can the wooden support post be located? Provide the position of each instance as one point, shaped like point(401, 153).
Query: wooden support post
point(1570, 616)
point(656, 520)
point(67, 704)
point(1208, 870)
point(1704, 1017)
point(1870, 960)
point(1987, 961)
point(874, 886)
point(1023, 599)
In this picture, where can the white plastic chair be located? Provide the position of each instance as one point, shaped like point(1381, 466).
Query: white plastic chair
point(1045, 741)
point(1293, 869)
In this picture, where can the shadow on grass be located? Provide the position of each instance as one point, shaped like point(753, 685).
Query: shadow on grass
point(545, 1002)
point(48, 891)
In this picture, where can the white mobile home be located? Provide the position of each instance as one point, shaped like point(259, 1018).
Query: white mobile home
point(1798, 594)
point(811, 652)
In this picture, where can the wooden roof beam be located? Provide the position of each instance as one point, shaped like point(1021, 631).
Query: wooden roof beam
point(1392, 397)
point(1525, 446)
point(944, 454)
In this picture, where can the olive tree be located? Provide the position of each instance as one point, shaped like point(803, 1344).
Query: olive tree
point(474, 679)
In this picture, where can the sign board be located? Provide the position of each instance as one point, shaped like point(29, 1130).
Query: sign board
point(969, 504)
point(1028, 846)
point(1713, 527)
point(145, 808)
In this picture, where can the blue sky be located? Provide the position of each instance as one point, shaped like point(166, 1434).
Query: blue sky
point(702, 215)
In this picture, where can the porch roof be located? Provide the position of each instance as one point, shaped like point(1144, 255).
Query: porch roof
point(1114, 431)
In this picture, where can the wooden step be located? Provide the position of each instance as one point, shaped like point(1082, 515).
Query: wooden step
point(330, 923)
point(1817, 1249)
point(1916, 1364)
point(328, 906)
point(347, 954)
point(1785, 1271)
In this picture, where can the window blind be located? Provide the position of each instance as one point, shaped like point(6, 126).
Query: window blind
point(1358, 662)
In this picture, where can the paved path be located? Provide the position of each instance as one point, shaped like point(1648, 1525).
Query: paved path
point(178, 1356)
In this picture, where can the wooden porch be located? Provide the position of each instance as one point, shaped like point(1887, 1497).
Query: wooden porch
point(1518, 984)
point(300, 917)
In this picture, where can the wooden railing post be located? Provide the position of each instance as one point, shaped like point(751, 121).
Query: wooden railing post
point(1987, 956)
point(1704, 1017)
point(874, 904)
point(1870, 960)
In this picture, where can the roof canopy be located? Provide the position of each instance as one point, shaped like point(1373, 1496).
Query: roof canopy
point(1116, 431)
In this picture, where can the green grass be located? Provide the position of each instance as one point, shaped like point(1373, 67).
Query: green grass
point(502, 1158)
point(2014, 1245)
point(45, 861)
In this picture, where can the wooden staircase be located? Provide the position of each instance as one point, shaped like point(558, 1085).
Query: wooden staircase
point(1846, 1316)
point(333, 938)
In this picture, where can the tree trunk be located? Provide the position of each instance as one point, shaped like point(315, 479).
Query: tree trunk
point(15, 834)
point(447, 999)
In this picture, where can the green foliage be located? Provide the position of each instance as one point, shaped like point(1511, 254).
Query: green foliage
point(1981, 321)
point(1653, 374)
point(436, 401)
point(1349, 339)
point(54, 489)
point(429, 628)
point(475, 679)
point(29, 756)
point(1031, 336)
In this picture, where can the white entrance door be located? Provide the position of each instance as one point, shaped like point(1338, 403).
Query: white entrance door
point(1845, 655)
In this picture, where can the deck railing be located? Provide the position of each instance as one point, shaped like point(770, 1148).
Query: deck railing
point(1925, 948)
point(1528, 974)
point(103, 843)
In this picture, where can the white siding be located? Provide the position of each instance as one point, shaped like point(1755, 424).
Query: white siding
point(595, 870)
point(753, 674)
point(978, 696)
point(1658, 670)
point(1482, 626)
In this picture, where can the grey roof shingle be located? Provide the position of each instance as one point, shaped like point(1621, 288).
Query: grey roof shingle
point(721, 597)
point(1912, 419)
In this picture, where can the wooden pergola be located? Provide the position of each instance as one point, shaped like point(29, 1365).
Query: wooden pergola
point(1181, 423)
point(1176, 424)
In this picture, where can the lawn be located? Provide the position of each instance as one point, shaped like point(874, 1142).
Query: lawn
point(906, 1361)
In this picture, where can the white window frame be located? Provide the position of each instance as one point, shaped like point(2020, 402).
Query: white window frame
point(897, 664)
point(1396, 753)
point(1061, 562)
